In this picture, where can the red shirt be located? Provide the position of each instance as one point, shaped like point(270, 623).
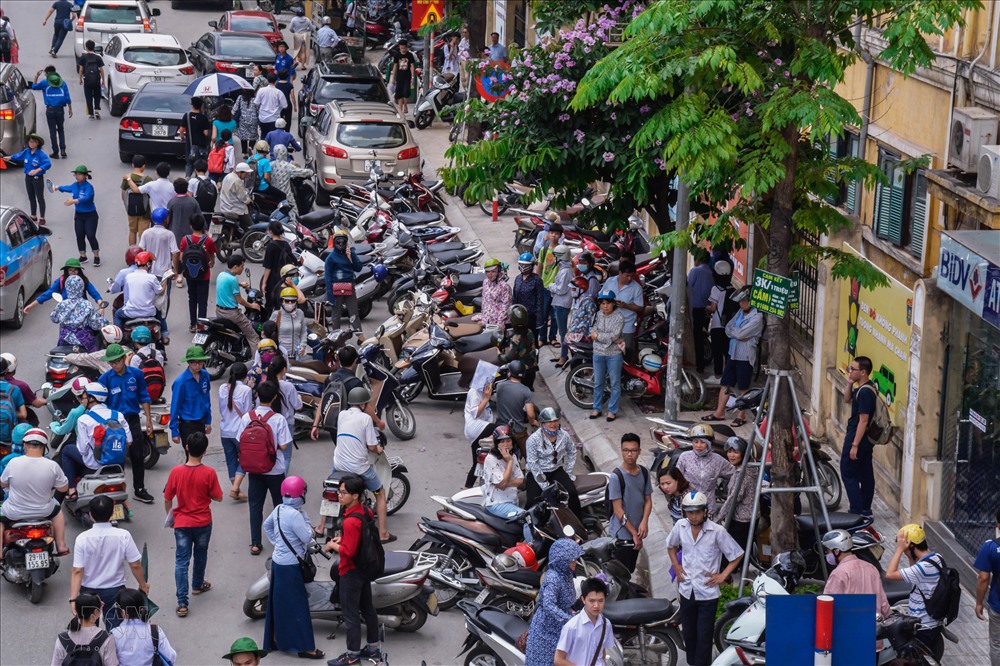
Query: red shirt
point(350, 538)
point(194, 487)
point(209, 250)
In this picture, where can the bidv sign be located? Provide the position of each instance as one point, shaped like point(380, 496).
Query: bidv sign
point(962, 274)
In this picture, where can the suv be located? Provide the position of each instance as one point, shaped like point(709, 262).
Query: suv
point(342, 82)
point(17, 109)
point(885, 380)
point(134, 59)
point(347, 138)
point(100, 20)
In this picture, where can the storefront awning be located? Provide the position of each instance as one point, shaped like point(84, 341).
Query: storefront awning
point(969, 271)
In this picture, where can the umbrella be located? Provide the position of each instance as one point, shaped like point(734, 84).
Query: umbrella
point(214, 85)
point(145, 574)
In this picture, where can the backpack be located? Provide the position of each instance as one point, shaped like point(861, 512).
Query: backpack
point(880, 429)
point(257, 451)
point(194, 259)
point(729, 306)
point(253, 180)
point(110, 441)
point(88, 654)
point(158, 658)
point(947, 595)
point(207, 194)
point(216, 161)
point(8, 411)
point(91, 69)
point(156, 378)
point(370, 558)
point(5, 40)
point(621, 484)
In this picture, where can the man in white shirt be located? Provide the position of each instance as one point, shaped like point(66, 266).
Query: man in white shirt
point(78, 459)
point(162, 243)
point(98, 556)
point(31, 480)
point(234, 199)
point(356, 439)
point(160, 190)
point(141, 290)
point(588, 633)
point(704, 543)
point(270, 102)
point(300, 27)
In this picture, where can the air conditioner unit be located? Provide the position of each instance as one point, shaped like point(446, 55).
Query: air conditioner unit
point(971, 129)
point(988, 176)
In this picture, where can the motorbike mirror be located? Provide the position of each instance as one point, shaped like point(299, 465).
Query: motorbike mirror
point(57, 297)
point(247, 271)
point(585, 201)
point(568, 532)
point(411, 124)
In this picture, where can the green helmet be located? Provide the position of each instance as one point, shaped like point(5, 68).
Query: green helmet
point(491, 263)
point(518, 315)
point(358, 395)
point(548, 415)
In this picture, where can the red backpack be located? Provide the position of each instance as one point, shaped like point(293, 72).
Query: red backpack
point(257, 451)
point(217, 160)
point(152, 370)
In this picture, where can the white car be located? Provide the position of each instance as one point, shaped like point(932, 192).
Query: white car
point(100, 20)
point(134, 59)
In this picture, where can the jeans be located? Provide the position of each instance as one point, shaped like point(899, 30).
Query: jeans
point(547, 326)
point(231, 447)
point(85, 226)
point(194, 153)
point(186, 539)
point(72, 464)
point(697, 625)
point(36, 193)
point(355, 601)
point(610, 366)
point(55, 116)
point(933, 640)
point(137, 451)
point(859, 478)
point(197, 300)
point(339, 303)
point(561, 317)
point(234, 315)
point(259, 486)
point(108, 595)
point(92, 96)
point(58, 36)
point(510, 510)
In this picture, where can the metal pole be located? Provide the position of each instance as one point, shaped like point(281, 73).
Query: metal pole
point(428, 59)
point(678, 307)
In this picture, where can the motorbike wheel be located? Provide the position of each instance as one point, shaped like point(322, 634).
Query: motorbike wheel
point(487, 207)
point(580, 386)
point(829, 481)
point(424, 119)
point(255, 610)
point(692, 393)
point(722, 627)
point(399, 492)
point(364, 309)
point(150, 456)
point(223, 249)
point(35, 591)
point(253, 246)
point(414, 617)
point(402, 422)
point(216, 366)
point(660, 648)
point(483, 656)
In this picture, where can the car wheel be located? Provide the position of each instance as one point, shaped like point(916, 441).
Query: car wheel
point(125, 157)
point(17, 321)
point(47, 276)
point(117, 108)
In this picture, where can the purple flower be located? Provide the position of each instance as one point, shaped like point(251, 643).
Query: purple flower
point(608, 156)
point(788, 74)
point(563, 117)
point(579, 135)
point(517, 122)
point(644, 109)
point(777, 61)
point(614, 116)
point(565, 144)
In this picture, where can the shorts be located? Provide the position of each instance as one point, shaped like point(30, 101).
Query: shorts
point(402, 88)
point(738, 374)
point(137, 224)
point(9, 522)
point(372, 482)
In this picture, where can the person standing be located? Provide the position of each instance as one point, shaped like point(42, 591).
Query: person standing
point(739, 527)
point(924, 574)
point(85, 217)
point(342, 266)
point(301, 28)
point(8, 40)
point(136, 640)
point(285, 85)
point(701, 466)
point(247, 121)
point(197, 269)
point(497, 51)
point(496, 295)
point(630, 302)
point(228, 298)
point(160, 191)
point(161, 243)
point(547, 269)
point(195, 486)
point(191, 398)
point(585, 637)
point(35, 163)
point(699, 289)
point(608, 340)
point(128, 394)
point(529, 291)
point(270, 102)
point(464, 48)
point(852, 575)
point(719, 313)
point(401, 76)
point(743, 331)
point(136, 204)
point(556, 597)
point(267, 483)
point(562, 300)
point(515, 407)
point(62, 25)
point(235, 400)
point(277, 254)
point(182, 208)
point(244, 652)
point(197, 133)
point(90, 66)
point(451, 58)
point(631, 495)
point(988, 565)
point(856, 465)
point(55, 96)
point(284, 61)
point(83, 630)
point(584, 310)
point(326, 40)
point(99, 556)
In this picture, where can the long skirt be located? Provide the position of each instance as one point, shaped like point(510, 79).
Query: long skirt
point(287, 625)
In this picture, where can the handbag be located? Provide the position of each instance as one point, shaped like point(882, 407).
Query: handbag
point(306, 564)
point(343, 288)
point(67, 25)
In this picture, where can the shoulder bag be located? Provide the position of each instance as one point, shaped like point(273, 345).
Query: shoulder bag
point(306, 563)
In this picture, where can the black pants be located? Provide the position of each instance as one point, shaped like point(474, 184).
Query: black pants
point(355, 602)
point(36, 193)
point(470, 478)
point(265, 128)
point(137, 451)
point(562, 478)
point(259, 486)
point(92, 95)
point(186, 429)
point(700, 321)
point(720, 349)
point(627, 555)
point(272, 193)
point(5, 56)
point(85, 226)
point(197, 299)
point(933, 641)
point(58, 35)
point(55, 116)
point(108, 595)
point(697, 625)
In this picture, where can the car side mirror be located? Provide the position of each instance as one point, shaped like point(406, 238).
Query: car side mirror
point(99, 50)
point(411, 124)
point(282, 26)
point(213, 24)
point(155, 12)
point(44, 231)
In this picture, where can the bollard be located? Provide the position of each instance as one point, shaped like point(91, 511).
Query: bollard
point(496, 209)
point(824, 631)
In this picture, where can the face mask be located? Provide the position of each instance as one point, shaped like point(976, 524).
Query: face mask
point(831, 559)
point(288, 307)
point(295, 280)
point(266, 357)
point(584, 268)
point(525, 270)
point(550, 433)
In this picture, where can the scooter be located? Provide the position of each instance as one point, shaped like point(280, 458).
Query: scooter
point(904, 646)
point(446, 366)
point(223, 341)
point(444, 92)
point(29, 555)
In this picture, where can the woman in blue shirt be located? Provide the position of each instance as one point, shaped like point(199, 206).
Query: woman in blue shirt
point(36, 163)
point(71, 267)
point(55, 95)
point(85, 220)
point(342, 266)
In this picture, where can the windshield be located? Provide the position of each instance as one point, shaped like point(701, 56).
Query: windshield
point(160, 102)
point(156, 57)
point(251, 24)
point(245, 47)
point(351, 91)
point(371, 135)
point(99, 14)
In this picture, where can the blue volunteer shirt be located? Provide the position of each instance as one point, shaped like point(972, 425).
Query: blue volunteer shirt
point(285, 62)
point(190, 400)
point(52, 96)
point(33, 160)
point(59, 286)
point(988, 561)
point(127, 391)
point(84, 194)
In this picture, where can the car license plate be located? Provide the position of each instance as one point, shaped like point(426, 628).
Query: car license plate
point(329, 508)
point(199, 338)
point(481, 597)
point(157, 79)
point(214, 229)
point(370, 164)
point(36, 561)
point(249, 72)
point(118, 513)
point(159, 130)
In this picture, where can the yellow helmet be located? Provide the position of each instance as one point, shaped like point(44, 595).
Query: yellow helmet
point(262, 146)
point(701, 431)
point(290, 293)
point(914, 533)
point(266, 343)
point(341, 232)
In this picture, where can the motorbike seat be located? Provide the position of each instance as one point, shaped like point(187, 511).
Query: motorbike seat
point(225, 323)
point(463, 268)
point(590, 482)
point(641, 259)
point(474, 343)
point(66, 349)
point(366, 259)
point(386, 193)
point(896, 590)
point(491, 540)
point(448, 246)
point(507, 627)
point(306, 381)
point(333, 481)
point(472, 281)
point(476, 526)
point(597, 236)
point(37, 522)
point(430, 184)
point(496, 522)
point(839, 520)
point(317, 367)
point(363, 248)
point(417, 219)
point(453, 256)
point(317, 218)
point(525, 577)
point(462, 329)
point(397, 563)
point(639, 611)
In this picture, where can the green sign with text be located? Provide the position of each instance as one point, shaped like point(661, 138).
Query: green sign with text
point(772, 293)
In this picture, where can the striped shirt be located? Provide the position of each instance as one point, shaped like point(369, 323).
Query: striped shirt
point(923, 576)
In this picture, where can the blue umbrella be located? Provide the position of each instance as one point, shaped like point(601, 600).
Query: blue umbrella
point(214, 85)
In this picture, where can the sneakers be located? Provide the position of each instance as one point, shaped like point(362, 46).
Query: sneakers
point(143, 496)
point(83, 259)
point(97, 262)
point(97, 114)
point(371, 653)
point(344, 660)
point(91, 116)
point(712, 380)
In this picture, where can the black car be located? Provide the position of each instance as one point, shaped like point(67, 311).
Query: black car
point(151, 125)
point(232, 53)
point(342, 82)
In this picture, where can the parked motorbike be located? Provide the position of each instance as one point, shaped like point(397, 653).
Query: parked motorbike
point(29, 555)
point(445, 92)
point(904, 646)
point(223, 341)
point(391, 471)
point(445, 366)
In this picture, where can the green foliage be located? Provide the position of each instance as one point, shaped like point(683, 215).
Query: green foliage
point(551, 15)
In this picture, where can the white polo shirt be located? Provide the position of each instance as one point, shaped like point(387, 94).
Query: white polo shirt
point(282, 437)
point(580, 638)
point(141, 290)
point(85, 426)
point(160, 191)
point(102, 552)
point(702, 557)
point(355, 433)
point(270, 101)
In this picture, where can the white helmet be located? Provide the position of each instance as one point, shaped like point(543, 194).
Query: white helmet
point(36, 436)
point(78, 386)
point(97, 391)
point(694, 501)
point(112, 334)
point(652, 362)
point(11, 362)
point(838, 540)
point(561, 251)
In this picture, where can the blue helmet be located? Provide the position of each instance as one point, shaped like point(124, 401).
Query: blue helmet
point(97, 391)
point(17, 437)
point(526, 258)
point(160, 215)
point(606, 295)
point(380, 272)
point(141, 335)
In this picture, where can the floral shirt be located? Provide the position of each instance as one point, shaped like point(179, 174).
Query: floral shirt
point(496, 302)
point(521, 347)
point(245, 114)
point(583, 316)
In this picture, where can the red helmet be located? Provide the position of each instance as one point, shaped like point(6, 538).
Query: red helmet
point(581, 283)
point(524, 555)
point(130, 254)
point(144, 258)
point(293, 486)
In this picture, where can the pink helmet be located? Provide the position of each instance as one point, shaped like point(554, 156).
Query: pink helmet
point(293, 486)
point(78, 386)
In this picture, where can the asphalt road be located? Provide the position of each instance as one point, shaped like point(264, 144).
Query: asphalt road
point(437, 458)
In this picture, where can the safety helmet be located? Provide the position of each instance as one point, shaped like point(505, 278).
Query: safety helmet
point(914, 533)
point(293, 486)
point(581, 283)
point(380, 272)
point(141, 335)
point(290, 294)
point(113, 335)
point(36, 436)
point(504, 563)
point(262, 147)
point(491, 263)
point(501, 432)
point(288, 268)
point(548, 415)
point(701, 431)
point(561, 252)
point(518, 315)
point(606, 295)
point(160, 215)
point(526, 258)
point(694, 501)
point(838, 540)
point(266, 343)
point(298, 11)
point(78, 386)
point(97, 391)
point(131, 253)
point(551, 216)
point(737, 443)
point(11, 362)
point(326, 20)
point(652, 362)
point(144, 258)
point(18, 433)
point(358, 395)
point(722, 267)
point(516, 369)
point(789, 567)
point(524, 555)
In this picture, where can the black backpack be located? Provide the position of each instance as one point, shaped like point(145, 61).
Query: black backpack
point(91, 69)
point(194, 260)
point(207, 194)
point(621, 483)
point(5, 40)
point(370, 558)
point(88, 654)
point(947, 595)
point(729, 306)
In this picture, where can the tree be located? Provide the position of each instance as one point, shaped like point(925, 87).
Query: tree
point(747, 105)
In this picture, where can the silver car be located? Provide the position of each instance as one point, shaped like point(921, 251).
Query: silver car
point(17, 109)
point(100, 20)
point(25, 262)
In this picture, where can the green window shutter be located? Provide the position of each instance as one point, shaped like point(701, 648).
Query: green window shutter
point(918, 215)
point(833, 150)
point(890, 201)
point(852, 187)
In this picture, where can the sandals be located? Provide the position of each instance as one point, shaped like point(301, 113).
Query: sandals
point(205, 587)
point(182, 611)
point(711, 418)
point(256, 550)
point(738, 422)
point(392, 537)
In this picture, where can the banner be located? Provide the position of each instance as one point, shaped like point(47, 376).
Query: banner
point(876, 323)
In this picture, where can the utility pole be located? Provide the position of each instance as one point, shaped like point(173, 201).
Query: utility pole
point(428, 61)
point(678, 306)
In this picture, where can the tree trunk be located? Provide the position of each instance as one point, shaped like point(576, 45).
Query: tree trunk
point(784, 470)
